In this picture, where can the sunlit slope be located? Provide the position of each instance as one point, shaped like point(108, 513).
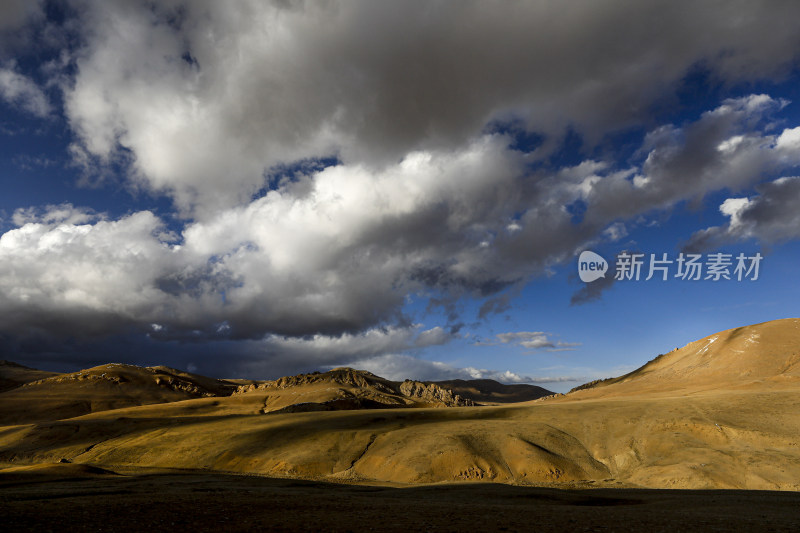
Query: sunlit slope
point(40, 396)
point(102, 388)
point(740, 439)
point(762, 356)
point(722, 412)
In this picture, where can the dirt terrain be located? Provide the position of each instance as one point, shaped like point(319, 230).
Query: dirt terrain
point(720, 413)
point(30, 395)
point(168, 500)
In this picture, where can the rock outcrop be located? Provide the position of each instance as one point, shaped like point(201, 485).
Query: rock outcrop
point(341, 376)
point(347, 388)
point(429, 392)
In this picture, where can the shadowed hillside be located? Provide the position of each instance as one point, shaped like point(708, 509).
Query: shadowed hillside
point(39, 396)
point(491, 391)
point(722, 412)
point(12, 375)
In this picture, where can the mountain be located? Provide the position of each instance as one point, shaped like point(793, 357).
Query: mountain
point(37, 396)
point(720, 413)
point(762, 356)
point(51, 396)
point(345, 389)
point(491, 391)
point(12, 375)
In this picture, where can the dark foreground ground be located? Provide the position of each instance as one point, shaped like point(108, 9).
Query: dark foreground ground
point(185, 501)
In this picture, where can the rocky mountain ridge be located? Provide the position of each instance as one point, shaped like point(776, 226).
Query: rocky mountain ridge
point(347, 388)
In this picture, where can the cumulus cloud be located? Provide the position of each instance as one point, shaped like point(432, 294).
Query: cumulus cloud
point(532, 340)
point(208, 97)
point(401, 366)
point(269, 357)
point(276, 355)
point(347, 244)
point(60, 271)
point(328, 350)
point(328, 160)
point(728, 147)
point(336, 250)
point(21, 92)
point(771, 216)
point(615, 231)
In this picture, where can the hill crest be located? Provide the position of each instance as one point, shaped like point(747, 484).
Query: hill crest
point(766, 353)
point(347, 388)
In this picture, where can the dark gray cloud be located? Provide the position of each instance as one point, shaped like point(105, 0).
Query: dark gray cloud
point(593, 291)
point(204, 103)
point(376, 350)
point(271, 83)
point(340, 256)
point(728, 147)
point(15, 17)
point(771, 216)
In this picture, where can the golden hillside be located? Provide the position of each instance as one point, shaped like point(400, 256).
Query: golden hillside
point(346, 389)
point(38, 396)
point(55, 396)
point(714, 414)
point(761, 356)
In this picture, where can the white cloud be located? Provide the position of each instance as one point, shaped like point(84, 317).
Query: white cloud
point(208, 96)
point(770, 216)
point(532, 340)
point(617, 230)
point(20, 91)
point(433, 337)
point(400, 366)
point(335, 251)
point(53, 214)
point(789, 141)
point(686, 163)
point(526, 339)
point(58, 271)
point(733, 207)
point(325, 349)
point(377, 348)
point(202, 100)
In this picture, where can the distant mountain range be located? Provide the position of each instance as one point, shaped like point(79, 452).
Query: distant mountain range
point(32, 395)
point(722, 412)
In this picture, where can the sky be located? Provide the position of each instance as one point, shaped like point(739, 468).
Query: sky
point(256, 189)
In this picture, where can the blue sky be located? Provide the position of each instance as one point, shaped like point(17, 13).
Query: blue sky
point(247, 189)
